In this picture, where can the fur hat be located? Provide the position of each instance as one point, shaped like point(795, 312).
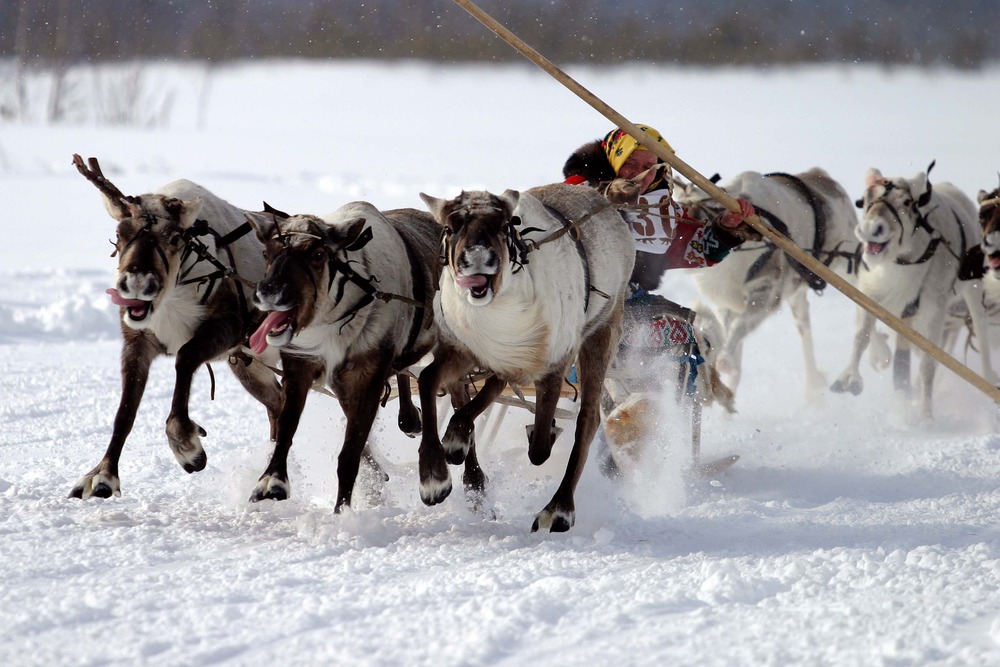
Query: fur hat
point(590, 163)
point(601, 159)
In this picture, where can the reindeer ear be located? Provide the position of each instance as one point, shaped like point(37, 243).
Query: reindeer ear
point(872, 176)
point(981, 196)
point(358, 235)
point(264, 224)
point(134, 207)
point(189, 212)
point(511, 197)
point(346, 235)
point(920, 188)
point(174, 208)
point(273, 211)
point(118, 208)
point(435, 206)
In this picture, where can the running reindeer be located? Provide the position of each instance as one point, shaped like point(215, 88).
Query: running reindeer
point(183, 256)
point(348, 301)
point(811, 209)
point(981, 262)
point(913, 239)
point(989, 221)
point(532, 281)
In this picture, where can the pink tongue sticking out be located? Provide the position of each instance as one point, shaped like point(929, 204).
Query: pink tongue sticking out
point(468, 282)
point(119, 300)
point(995, 263)
point(274, 320)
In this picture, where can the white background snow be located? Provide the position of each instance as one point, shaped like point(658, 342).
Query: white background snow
point(849, 533)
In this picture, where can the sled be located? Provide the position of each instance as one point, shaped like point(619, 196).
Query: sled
point(676, 360)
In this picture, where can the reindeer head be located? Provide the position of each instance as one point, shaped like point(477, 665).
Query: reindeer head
point(989, 219)
point(147, 244)
point(892, 217)
point(302, 253)
point(477, 237)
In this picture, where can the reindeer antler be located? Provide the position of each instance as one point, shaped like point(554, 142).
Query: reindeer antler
point(94, 174)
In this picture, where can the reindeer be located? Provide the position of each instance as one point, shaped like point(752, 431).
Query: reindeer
point(981, 263)
point(531, 282)
point(184, 255)
point(811, 209)
point(913, 239)
point(348, 303)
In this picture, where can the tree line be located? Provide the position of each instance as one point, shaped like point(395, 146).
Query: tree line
point(959, 33)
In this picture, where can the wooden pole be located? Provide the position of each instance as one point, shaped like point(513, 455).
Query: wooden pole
point(730, 203)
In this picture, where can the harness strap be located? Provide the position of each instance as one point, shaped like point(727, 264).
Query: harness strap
point(928, 253)
point(421, 318)
point(815, 282)
point(367, 287)
point(819, 213)
point(194, 245)
point(575, 235)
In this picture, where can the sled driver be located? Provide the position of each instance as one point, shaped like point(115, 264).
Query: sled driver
point(665, 237)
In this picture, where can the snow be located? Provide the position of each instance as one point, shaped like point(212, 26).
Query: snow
point(849, 532)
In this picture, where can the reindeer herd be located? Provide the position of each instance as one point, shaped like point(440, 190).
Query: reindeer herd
point(516, 288)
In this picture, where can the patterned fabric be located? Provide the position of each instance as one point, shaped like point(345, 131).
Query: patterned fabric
point(619, 144)
point(663, 335)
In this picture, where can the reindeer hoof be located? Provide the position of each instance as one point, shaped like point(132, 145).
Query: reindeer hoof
point(102, 490)
point(842, 386)
point(557, 521)
point(270, 487)
point(559, 525)
point(458, 439)
point(410, 424)
point(538, 452)
point(197, 464)
point(435, 492)
point(96, 484)
point(272, 494)
point(185, 443)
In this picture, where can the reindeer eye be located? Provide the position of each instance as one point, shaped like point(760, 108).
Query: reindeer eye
point(319, 255)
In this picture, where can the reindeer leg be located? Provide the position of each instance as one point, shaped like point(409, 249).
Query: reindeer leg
point(850, 379)
point(102, 481)
point(299, 376)
point(473, 478)
point(435, 481)
point(542, 435)
point(592, 365)
point(409, 414)
point(360, 392)
point(262, 384)
point(460, 436)
point(212, 339)
point(799, 302)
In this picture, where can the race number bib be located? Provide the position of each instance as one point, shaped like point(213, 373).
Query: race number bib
point(654, 226)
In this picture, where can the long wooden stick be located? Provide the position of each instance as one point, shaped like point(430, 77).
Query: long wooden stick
point(730, 203)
